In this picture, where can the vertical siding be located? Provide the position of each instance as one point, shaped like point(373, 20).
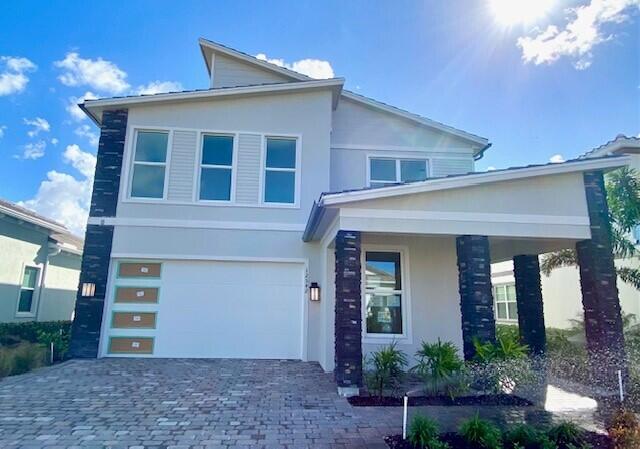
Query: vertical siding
point(231, 73)
point(446, 167)
point(181, 170)
point(248, 169)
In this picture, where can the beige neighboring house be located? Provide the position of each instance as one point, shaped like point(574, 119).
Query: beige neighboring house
point(39, 266)
point(561, 290)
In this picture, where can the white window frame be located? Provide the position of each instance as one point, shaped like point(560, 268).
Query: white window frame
point(397, 158)
point(506, 302)
point(36, 292)
point(405, 295)
point(264, 169)
point(133, 163)
point(233, 167)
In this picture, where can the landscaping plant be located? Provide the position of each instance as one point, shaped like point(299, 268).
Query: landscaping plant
point(480, 434)
point(526, 436)
point(423, 433)
point(386, 369)
point(438, 366)
point(567, 435)
point(624, 430)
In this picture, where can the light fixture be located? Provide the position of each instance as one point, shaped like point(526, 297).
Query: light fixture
point(314, 291)
point(88, 289)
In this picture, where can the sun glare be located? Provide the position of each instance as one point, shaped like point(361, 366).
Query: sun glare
point(514, 12)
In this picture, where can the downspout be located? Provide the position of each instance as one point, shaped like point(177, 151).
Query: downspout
point(480, 154)
point(52, 250)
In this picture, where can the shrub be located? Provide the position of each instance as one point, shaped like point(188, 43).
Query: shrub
point(21, 359)
point(423, 433)
point(438, 365)
point(505, 348)
point(480, 434)
point(526, 436)
point(567, 434)
point(387, 369)
point(29, 331)
point(60, 342)
point(624, 430)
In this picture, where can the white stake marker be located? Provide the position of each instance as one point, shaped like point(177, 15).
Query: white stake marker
point(404, 418)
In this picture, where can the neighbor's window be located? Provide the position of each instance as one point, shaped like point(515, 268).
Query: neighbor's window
point(149, 164)
point(385, 171)
point(27, 290)
point(505, 299)
point(280, 171)
point(216, 168)
point(383, 292)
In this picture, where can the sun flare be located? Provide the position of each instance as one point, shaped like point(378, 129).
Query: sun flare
point(514, 12)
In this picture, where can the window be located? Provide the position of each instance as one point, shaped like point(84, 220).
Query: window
point(280, 171)
point(505, 301)
point(216, 168)
point(383, 293)
point(27, 290)
point(149, 164)
point(384, 171)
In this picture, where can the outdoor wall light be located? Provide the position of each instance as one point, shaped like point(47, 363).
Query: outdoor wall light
point(88, 289)
point(314, 291)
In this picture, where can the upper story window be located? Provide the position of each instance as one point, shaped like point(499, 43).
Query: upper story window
point(384, 294)
point(505, 301)
point(216, 168)
point(27, 290)
point(385, 171)
point(280, 170)
point(149, 164)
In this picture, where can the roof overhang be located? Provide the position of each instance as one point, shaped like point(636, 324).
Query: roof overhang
point(95, 108)
point(620, 145)
point(28, 218)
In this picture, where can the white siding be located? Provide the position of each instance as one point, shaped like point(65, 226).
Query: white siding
point(248, 169)
point(229, 72)
point(181, 170)
point(445, 167)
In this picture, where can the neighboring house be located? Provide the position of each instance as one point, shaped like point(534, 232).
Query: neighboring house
point(39, 266)
point(219, 215)
point(561, 290)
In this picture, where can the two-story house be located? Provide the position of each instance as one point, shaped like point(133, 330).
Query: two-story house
point(276, 216)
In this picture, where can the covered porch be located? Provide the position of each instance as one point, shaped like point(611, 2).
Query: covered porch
point(411, 263)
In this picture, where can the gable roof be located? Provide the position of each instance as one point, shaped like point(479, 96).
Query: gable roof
point(208, 47)
point(617, 145)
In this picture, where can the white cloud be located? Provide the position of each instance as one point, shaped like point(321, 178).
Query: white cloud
point(2, 129)
point(556, 158)
point(98, 73)
point(157, 87)
point(73, 109)
point(32, 150)
point(491, 168)
point(63, 197)
point(14, 79)
point(584, 31)
point(86, 132)
point(39, 125)
point(54, 141)
point(314, 68)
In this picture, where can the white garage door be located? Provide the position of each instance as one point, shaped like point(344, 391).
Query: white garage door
point(230, 310)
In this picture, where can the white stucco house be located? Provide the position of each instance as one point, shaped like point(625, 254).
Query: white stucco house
point(561, 290)
point(39, 266)
point(270, 215)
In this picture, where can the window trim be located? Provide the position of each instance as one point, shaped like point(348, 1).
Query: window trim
point(132, 164)
point(296, 171)
point(36, 292)
point(397, 157)
point(503, 285)
point(406, 336)
point(199, 165)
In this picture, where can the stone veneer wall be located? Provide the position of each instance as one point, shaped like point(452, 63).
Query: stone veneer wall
point(348, 325)
point(526, 270)
point(476, 295)
point(85, 332)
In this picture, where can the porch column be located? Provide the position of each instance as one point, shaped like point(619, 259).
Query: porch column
point(526, 269)
point(476, 297)
point(602, 314)
point(348, 325)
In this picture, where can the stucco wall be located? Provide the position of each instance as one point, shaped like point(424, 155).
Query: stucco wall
point(61, 284)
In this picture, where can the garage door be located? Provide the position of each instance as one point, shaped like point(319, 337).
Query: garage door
point(229, 310)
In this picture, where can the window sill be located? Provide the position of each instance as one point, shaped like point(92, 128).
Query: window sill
point(386, 338)
point(25, 315)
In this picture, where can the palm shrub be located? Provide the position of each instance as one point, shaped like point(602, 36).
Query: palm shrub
point(567, 435)
point(480, 434)
point(525, 436)
point(423, 433)
point(386, 369)
point(438, 366)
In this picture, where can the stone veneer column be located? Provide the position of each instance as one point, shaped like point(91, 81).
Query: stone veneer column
point(85, 331)
point(348, 325)
point(526, 269)
point(602, 314)
point(476, 296)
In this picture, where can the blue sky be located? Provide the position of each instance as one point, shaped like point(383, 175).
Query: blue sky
point(555, 86)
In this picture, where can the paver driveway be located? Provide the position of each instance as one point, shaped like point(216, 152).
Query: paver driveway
point(164, 403)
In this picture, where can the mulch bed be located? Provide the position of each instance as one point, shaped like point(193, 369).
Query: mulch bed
point(484, 399)
point(596, 440)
